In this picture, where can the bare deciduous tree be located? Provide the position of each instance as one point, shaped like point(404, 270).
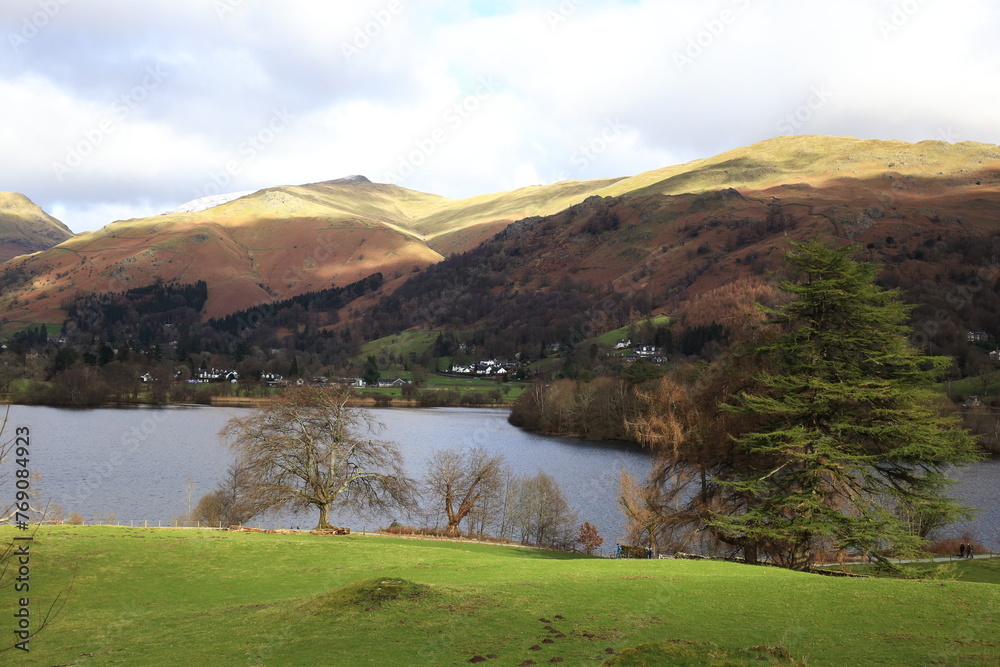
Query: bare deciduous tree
point(463, 481)
point(229, 503)
point(542, 514)
point(309, 448)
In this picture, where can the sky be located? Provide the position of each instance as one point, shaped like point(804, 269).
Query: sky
point(114, 109)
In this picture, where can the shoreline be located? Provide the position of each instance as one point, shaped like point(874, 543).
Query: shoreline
point(256, 401)
point(356, 402)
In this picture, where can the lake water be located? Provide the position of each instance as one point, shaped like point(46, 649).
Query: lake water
point(138, 464)
point(143, 464)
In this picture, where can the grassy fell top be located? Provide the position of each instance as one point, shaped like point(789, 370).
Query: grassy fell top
point(813, 159)
point(25, 227)
point(246, 249)
point(159, 596)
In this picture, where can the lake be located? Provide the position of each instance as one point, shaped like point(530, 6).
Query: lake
point(150, 464)
point(146, 464)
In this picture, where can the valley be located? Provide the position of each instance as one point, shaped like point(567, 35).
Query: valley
point(315, 274)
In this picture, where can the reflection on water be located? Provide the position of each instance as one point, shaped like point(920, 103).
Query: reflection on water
point(143, 464)
point(139, 464)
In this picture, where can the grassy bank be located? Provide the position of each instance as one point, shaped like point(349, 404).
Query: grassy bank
point(160, 596)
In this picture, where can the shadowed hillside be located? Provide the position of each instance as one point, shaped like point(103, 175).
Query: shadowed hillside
point(650, 242)
point(272, 244)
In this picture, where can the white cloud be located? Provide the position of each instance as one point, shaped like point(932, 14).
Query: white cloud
point(94, 216)
point(371, 87)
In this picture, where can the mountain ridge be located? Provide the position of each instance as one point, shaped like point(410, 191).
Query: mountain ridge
point(286, 240)
point(26, 228)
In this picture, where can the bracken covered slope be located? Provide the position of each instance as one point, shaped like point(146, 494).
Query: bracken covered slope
point(667, 234)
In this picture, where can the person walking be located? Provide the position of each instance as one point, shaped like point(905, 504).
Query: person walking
point(961, 550)
point(968, 550)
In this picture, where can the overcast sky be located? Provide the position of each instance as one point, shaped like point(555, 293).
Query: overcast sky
point(114, 109)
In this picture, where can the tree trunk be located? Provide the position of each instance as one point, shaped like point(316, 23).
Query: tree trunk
point(324, 517)
point(750, 552)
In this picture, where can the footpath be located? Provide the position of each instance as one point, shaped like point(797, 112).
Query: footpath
point(901, 561)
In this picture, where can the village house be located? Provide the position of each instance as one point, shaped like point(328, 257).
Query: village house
point(487, 367)
point(273, 379)
point(206, 375)
point(392, 383)
point(651, 358)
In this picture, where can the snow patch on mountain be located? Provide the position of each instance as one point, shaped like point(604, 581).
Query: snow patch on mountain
point(354, 178)
point(205, 203)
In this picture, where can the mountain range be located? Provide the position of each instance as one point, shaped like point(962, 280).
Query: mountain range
point(657, 239)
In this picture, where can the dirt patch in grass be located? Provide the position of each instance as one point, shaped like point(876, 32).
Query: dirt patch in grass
point(369, 595)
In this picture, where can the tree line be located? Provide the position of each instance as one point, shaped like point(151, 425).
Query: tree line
point(310, 449)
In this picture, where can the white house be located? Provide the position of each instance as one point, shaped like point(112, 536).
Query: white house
point(215, 375)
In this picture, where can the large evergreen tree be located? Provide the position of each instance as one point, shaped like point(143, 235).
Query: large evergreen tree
point(371, 372)
point(850, 444)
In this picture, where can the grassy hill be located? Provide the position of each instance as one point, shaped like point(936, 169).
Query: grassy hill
point(672, 231)
point(26, 228)
point(819, 161)
point(160, 596)
point(274, 243)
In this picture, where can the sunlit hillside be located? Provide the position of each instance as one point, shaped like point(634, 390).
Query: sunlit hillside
point(288, 240)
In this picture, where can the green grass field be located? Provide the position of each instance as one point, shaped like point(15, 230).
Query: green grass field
point(983, 386)
point(615, 335)
point(509, 390)
point(190, 597)
point(399, 345)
